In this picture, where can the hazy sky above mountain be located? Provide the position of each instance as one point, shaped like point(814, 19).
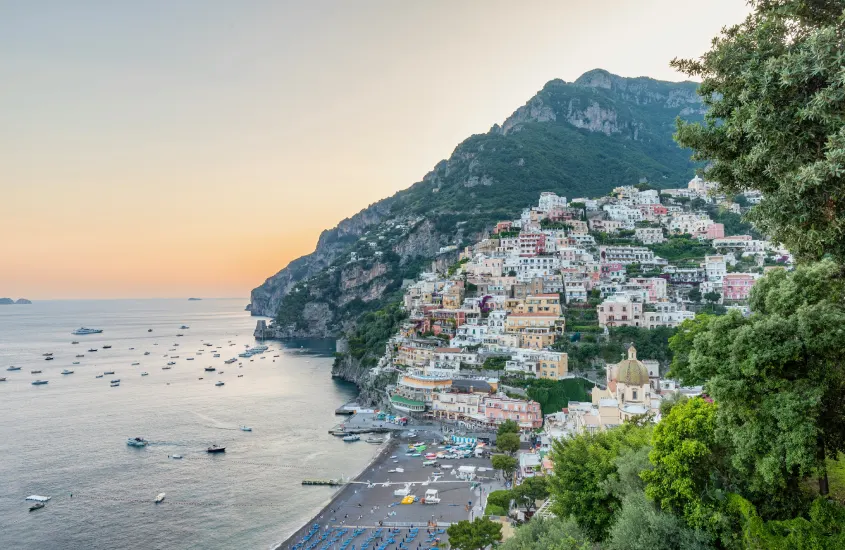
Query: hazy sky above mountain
point(194, 147)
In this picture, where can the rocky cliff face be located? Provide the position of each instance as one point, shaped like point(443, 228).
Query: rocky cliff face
point(577, 139)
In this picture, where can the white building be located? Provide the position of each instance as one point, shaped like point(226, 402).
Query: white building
point(649, 235)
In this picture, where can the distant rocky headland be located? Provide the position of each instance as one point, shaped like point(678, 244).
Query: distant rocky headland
point(194, 299)
point(9, 301)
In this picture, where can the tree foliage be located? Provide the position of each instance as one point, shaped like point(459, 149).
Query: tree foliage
point(775, 94)
point(532, 489)
point(475, 535)
point(639, 524)
point(778, 376)
point(508, 427)
point(506, 464)
point(582, 467)
point(548, 534)
point(508, 443)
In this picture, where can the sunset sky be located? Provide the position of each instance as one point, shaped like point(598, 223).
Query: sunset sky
point(194, 147)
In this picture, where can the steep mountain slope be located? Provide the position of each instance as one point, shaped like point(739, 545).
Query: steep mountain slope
point(577, 139)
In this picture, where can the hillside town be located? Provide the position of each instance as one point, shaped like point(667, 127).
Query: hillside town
point(568, 271)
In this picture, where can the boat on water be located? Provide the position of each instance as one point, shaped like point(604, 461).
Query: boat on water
point(92, 350)
point(216, 355)
point(200, 378)
point(80, 355)
point(116, 381)
point(36, 506)
point(219, 383)
point(230, 361)
point(83, 330)
point(146, 353)
point(35, 372)
point(49, 358)
point(210, 369)
point(246, 429)
point(137, 442)
point(166, 367)
point(171, 363)
point(190, 359)
point(76, 362)
point(135, 364)
point(240, 376)
point(375, 440)
point(145, 373)
point(114, 384)
point(108, 372)
point(99, 375)
point(2, 378)
point(216, 449)
point(177, 457)
point(184, 327)
point(159, 498)
point(67, 371)
point(149, 330)
point(39, 382)
point(46, 354)
point(351, 438)
point(13, 368)
point(106, 347)
point(75, 342)
point(221, 372)
point(180, 335)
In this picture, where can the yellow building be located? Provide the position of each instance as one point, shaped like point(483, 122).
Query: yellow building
point(536, 338)
point(517, 322)
point(414, 356)
point(540, 303)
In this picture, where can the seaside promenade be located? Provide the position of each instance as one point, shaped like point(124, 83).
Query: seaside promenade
point(368, 503)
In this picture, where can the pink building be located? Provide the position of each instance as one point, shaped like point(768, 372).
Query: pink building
point(502, 227)
point(532, 244)
point(655, 286)
point(613, 270)
point(498, 408)
point(736, 286)
point(715, 231)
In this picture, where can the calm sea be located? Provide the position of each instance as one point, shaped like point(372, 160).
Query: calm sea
point(69, 436)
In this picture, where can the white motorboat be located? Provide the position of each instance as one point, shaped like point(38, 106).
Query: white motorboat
point(13, 368)
point(246, 429)
point(219, 383)
point(136, 442)
point(159, 498)
point(351, 438)
point(145, 373)
point(67, 371)
point(230, 361)
point(115, 384)
point(177, 457)
point(83, 330)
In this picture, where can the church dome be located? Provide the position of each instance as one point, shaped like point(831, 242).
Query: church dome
point(631, 371)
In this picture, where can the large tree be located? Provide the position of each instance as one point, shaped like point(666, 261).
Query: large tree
point(532, 489)
point(508, 443)
point(774, 86)
point(475, 535)
point(506, 464)
point(778, 377)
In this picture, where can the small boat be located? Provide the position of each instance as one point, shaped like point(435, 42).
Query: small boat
point(180, 335)
point(35, 372)
point(49, 358)
point(177, 457)
point(221, 372)
point(219, 383)
point(130, 349)
point(116, 381)
point(240, 376)
point(115, 384)
point(2, 378)
point(149, 330)
point(200, 378)
point(216, 355)
point(99, 375)
point(80, 355)
point(216, 449)
point(106, 347)
point(230, 361)
point(67, 371)
point(36, 506)
point(171, 363)
point(108, 372)
point(209, 344)
point(14, 368)
point(76, 362)
point(145, 373)
point(146, 353)
point(39, 382)
point(246, 429)
point(175, 356)
point(137, 442)
point(375, 440)
point(47, 354)
point(135, 364)
point(351, 438)
point(84, 330)
point(210, 369)
point(159, 498)
point(92, 350)
point(74, 342)
point(166, 368)
point(190, 359)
